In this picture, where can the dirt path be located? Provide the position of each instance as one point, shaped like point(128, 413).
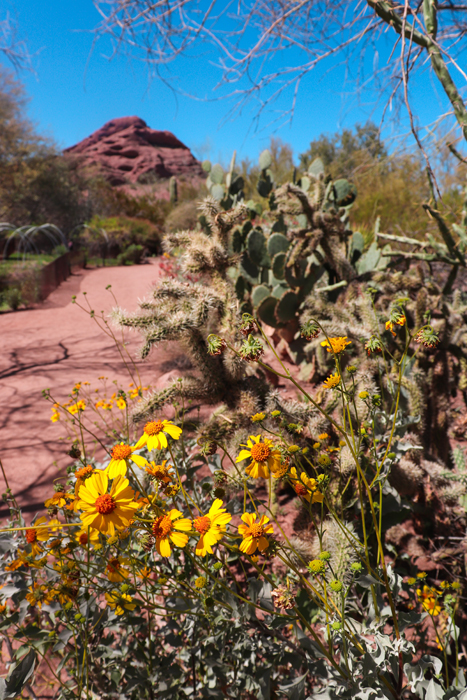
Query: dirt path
point(56, 345)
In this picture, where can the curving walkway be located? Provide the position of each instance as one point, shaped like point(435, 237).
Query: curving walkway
point(55, 345)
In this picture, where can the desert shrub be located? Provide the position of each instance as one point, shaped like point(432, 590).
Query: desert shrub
point(110, 236)
point(132, 255)
point(182, 217)
point(13, 298)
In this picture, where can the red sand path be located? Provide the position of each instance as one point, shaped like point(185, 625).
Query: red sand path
point(53, 346)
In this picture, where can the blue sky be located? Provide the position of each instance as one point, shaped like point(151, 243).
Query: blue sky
point(74, 90)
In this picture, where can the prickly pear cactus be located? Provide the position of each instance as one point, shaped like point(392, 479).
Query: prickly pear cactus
point(298, 239)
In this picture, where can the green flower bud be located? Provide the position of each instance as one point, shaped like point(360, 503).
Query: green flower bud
point(325, 556)
point(200, 582)
point(356, 566)
point(324, 460)
point(124, 587)
point(218, 566)
point(317, 566)
point(335, 585)
point(336, 626)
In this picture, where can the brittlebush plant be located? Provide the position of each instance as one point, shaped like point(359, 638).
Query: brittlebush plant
point(167, 572)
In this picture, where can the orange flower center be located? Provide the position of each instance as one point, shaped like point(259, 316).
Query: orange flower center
point(84, 472)
point(31, 536)
point(202, 524)
point(260, 452)
point(154, 427)
point(121, 451)
point(105, 504)
point(83, 539)
point(256, 531)
point(300, 489)
point(162, 526)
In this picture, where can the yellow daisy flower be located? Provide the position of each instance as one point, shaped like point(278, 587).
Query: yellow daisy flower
point(118, 465)
point(120, 602)
point(254, 534)
point(115, 569)
point(163, 529)
point(76, 407)
point(264, 458)
point(87, 535)
point(336, 345)
point(154, 436)
point(37, 534)
point(106, 512)
point(428, 597)
point(332, 381)
point(160, 472)
point(306, 487)
point(60, 499)
point(39, 595)
point(211, 527)
point(121, 403)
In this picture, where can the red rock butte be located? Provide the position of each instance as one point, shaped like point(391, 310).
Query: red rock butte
point(126, 150)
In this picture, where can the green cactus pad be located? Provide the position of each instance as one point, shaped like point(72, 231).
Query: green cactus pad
point(265, 160)
point(277, 243)
point(279, 290)
point(246, 308)
point(257, 249)
point(217, 192)
point(237, 241)
point(345, 192)
point(246, 228)
point(279, 225)
point(316, 168)
point(217, 174)
point(305, 183)
point(237, 184)
point(248, 269)
point(266, 310)
point(278, 266)
point(287, 307)
point(356, 247)
point(295, 277)
point(259, 293)
point(264, 187)
point(206, 165)
point(240, 288)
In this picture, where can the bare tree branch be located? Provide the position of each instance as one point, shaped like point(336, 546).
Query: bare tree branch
point(12, 47)
point(265, 48)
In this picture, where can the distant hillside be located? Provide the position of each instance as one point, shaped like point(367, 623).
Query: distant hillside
point(127, 151)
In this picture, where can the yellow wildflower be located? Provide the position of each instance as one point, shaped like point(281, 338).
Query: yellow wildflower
point(332, 381)
point(118, 465)
point(306, 487)
point(106, 512)
point(254, 534)
point(264, 458)
point(258, 417)
point(163, 529)
point(336, 345)
point(211, 527)
point(121, 403)
point(154, 435)
point(119, 602)
point(115, 570)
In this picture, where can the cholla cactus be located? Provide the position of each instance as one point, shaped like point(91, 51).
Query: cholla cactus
point(342, 551)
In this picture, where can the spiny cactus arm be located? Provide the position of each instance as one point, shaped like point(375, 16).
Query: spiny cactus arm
point(225, 221)
point(428, 257)
point(188, 389)
point(180, 239)
point(336, 259)
point(445, 232)
point(402, 239)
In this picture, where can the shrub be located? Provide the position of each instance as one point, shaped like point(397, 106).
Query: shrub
point(132, 255)
point(13, 298)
